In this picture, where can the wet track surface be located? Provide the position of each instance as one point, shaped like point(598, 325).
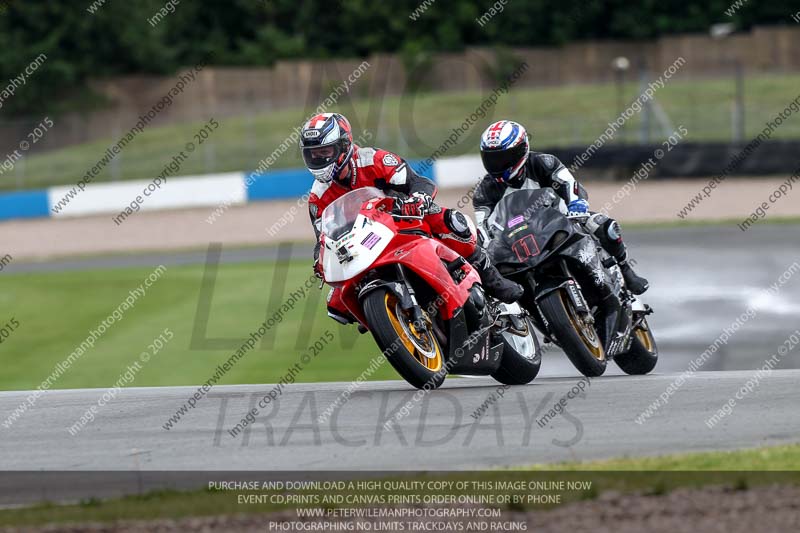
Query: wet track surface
point(702, 280)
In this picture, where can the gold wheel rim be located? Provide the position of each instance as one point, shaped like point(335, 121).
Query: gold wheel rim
point(408, 335)
point(642, 333)
point(586, 332)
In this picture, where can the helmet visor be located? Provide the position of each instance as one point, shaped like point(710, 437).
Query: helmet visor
point(497, 162)
point(316, 157)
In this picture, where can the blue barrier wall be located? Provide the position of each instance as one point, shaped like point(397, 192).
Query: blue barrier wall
point(286, 184)
point(25, 204)
point(278, 184)
point(423, 169)
point(294, 183)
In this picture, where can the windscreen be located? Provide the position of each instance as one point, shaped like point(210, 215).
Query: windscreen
point(338, 218)
point(517, 207)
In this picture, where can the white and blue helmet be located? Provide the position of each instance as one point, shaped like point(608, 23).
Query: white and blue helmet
point(504, 149)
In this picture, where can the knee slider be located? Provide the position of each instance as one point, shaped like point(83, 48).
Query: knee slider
point(604, 228)
point(595, 222)
point(458, 223)
point(613, 230)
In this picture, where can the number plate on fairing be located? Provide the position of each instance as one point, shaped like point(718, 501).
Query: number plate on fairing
point(356, 251)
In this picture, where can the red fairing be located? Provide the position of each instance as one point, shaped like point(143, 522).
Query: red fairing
point(418, 253)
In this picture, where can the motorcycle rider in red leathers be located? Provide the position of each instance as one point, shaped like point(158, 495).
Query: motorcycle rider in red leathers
point(339, 166)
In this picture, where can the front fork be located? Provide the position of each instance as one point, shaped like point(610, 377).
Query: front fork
point(417, 314)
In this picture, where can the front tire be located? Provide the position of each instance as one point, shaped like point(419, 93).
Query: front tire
point(416, 356)
point(642, 357)
point(577, 338)
point(522, 357)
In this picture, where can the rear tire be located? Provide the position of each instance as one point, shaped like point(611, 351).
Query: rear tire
point(416, 357)
point(642, 357)
point(578, 340)
point(516, 366)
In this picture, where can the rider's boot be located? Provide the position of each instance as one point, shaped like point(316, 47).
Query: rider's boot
point(635, 283)
point(609, 234)
point(495, 284)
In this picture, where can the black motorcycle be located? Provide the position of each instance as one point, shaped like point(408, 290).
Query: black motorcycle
point(574, 290)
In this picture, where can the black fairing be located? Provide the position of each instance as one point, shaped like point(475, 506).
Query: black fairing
point(528, 231)
point(471, 347)
point(524, 225)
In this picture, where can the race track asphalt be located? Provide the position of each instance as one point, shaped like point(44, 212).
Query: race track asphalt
point(703, 279)
point(441, 430)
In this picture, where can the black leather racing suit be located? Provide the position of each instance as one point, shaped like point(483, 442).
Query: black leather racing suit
point(546, 170)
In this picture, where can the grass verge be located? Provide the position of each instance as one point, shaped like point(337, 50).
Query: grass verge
point(56, 312)
point(777, 458)
point(415, 126)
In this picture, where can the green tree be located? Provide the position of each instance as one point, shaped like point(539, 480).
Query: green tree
point(117, 38)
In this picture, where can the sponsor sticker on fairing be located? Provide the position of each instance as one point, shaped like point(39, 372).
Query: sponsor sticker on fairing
point(516, 221)
point(371, 240)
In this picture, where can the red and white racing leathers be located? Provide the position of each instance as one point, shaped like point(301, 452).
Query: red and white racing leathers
point(372, 167)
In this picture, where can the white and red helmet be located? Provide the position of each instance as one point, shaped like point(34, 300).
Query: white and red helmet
point(326, 141)
point(504, 149)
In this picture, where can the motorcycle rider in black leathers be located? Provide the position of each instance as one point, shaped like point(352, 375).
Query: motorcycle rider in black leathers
point(511, 165)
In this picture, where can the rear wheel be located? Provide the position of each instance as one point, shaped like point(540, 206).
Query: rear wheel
point(522, 357)
point(416, 355)
point(643, 355)
point(576, 336)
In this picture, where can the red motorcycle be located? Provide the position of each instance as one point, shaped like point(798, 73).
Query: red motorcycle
point(422, 302)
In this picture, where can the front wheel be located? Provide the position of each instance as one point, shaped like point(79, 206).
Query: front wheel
point(416, 355)
point(643, 355)
point(576, 336)
point(522, 357)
